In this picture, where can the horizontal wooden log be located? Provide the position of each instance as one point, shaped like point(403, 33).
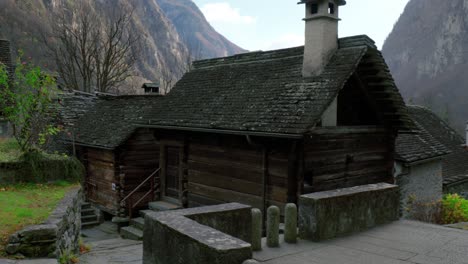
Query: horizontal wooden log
point(237, 185)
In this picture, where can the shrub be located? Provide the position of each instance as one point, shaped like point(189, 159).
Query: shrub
point(425, 211)
point(451, 209)
point(455, 209)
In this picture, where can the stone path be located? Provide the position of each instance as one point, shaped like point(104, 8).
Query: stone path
point(114, 251)
point(397, 243)
point(401, 242)
point(104, 231)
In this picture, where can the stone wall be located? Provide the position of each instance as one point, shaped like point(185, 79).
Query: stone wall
point(49, 170)
point(421, 181)
point(330, 214)
point(59, 234)
point(196, 235)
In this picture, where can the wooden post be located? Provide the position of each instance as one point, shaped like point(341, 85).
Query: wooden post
point(122, 211)
point(162, 162)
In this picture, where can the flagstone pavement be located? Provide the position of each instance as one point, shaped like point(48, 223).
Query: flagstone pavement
point(401, 242)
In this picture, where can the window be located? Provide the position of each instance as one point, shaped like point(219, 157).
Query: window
point(331, 8)
point(314, 9)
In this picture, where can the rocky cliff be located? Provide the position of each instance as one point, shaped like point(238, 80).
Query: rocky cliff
point(173, 31)
point(427, 52)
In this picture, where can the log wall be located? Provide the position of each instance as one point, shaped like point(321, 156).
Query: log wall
point(227, 169)
point(343, 157)
point(138, 158)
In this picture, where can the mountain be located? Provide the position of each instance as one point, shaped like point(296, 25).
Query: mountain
point(427, 52)
point(173, 32)
point(202, 40)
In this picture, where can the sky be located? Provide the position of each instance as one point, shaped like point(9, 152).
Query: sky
point(267, 24)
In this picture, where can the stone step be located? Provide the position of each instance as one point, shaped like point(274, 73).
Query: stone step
point(89, 224)
point(130, 232)
point(145, 212)
point(85, 206)
point(87, 212)
point(138, 223)
point(88, 218)
point(163, 206)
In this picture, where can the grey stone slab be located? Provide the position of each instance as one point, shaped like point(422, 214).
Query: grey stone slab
point(284, 249)
point(114, 251)
point(373, 248)
point(105, 231)
point(396, 243)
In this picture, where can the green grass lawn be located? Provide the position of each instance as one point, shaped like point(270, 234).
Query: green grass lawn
point(27, 204)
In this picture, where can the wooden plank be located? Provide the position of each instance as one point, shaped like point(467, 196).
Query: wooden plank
point(225, 195)
point(238, 185)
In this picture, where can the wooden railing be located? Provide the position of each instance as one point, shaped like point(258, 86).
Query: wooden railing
point(154, 188)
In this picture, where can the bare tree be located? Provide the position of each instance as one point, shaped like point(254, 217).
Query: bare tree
point(116, 51)
point(93, 53)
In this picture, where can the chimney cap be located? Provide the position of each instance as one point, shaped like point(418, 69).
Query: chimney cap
point(340, 2)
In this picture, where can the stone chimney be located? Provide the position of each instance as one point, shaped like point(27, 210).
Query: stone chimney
point(321, 34)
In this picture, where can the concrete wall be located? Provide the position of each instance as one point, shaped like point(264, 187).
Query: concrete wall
point(330, 214)
point(210, 234)
point(420, 181)
point(59, 234)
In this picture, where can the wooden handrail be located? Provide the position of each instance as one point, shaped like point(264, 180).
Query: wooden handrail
point(152, 191)
point(139, 186)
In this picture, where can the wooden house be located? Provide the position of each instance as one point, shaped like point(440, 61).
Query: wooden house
point(109, 145)
point(260, 128)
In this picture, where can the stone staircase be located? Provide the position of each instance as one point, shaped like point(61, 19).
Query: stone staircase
point(135, 230)
point(88, 216)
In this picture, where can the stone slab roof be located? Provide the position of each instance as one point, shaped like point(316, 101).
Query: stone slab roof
point(264, 92)
point(418, 146)
point(455, 164)
point(111, 121)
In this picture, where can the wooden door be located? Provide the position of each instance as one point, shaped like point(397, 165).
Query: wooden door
point(171, 168)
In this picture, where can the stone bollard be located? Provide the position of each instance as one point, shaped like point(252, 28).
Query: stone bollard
point(290, 223)
point(273, 219)
point(256, 229)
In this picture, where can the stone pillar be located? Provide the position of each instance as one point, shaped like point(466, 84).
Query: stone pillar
point(290, 224)
point(256, 229)
point(273, 218)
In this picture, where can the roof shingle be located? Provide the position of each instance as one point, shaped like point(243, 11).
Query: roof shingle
point(455, 164)
point(265, 91)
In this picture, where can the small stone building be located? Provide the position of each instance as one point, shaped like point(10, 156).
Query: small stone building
point(419, 166)
point(455, 163)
